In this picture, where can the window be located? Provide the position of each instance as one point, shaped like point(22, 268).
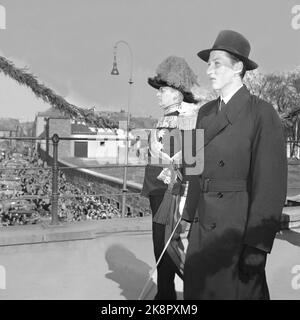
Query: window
point(129, 213)
point(81, 149)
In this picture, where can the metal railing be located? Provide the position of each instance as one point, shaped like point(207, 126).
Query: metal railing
point(56, 168)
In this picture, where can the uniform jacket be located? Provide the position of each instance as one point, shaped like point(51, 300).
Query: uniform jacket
point(173, 122)
point(152, 185)
point(238, 198)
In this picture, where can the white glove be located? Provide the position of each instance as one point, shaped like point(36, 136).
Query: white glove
point(156, 150)
point(177, 158)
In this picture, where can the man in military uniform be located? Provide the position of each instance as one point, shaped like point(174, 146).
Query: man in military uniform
point(174, 81)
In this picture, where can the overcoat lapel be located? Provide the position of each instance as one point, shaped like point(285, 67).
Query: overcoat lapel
point(214, 122)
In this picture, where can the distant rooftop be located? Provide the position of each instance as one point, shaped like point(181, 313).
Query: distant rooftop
point(78, 128)
point(7, 124)
point(52, 112)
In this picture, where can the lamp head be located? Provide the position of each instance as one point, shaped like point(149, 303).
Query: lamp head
point(115, 71)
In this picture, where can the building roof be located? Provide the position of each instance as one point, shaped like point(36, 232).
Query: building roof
point(52, 113)
point(78, 128)
point(83, 129)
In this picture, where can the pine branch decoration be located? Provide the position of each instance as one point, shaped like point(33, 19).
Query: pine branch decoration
point(23, 77)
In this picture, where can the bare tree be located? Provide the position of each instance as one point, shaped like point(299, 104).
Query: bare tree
point(282, 90)
point(256, 83)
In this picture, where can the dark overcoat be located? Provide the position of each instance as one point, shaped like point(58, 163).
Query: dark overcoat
point(238, 198)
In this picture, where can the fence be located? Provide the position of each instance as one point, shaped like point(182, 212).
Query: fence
point(56, 166)
point(293, 148)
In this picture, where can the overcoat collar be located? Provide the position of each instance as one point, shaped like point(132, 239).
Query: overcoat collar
point(213, 122)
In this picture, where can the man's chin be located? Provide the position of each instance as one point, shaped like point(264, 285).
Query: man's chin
point(215, 86)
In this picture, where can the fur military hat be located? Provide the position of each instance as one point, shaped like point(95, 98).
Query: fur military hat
point(174, 72)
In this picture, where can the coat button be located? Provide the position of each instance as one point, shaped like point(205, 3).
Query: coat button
point(213, 226)
point(220, 195)
point(221, 163)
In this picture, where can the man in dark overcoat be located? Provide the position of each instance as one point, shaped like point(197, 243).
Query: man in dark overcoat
point(235, 205)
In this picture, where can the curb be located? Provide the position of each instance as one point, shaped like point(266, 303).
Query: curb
point(88, 230)
point(85, 230)
point(290, 218)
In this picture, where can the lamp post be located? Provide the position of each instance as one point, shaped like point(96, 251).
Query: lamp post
point(130, 82)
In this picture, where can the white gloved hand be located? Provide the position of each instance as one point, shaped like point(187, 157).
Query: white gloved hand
point(177, 158)
point(156, 150)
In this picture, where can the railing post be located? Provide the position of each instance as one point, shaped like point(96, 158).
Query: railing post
point(47, 138)
point(124, 190)
point(54, 202)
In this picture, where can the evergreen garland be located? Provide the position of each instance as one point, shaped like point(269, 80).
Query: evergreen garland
point(23, 77)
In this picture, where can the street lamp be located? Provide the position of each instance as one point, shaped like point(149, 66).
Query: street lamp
point(130, 82)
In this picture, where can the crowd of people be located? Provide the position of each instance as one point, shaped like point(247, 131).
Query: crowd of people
point(25, 195)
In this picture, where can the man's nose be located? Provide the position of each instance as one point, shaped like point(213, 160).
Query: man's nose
point(209, 70)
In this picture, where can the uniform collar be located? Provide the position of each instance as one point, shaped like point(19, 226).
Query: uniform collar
point(171, 109)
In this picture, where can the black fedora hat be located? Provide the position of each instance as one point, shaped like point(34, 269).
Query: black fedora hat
point(234, 43)
point(174, 72)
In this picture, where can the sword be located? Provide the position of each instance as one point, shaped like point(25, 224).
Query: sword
point(181, 206)
point(158, 261)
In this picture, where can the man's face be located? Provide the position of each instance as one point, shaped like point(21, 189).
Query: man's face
point(167, 96)
point(220, 70)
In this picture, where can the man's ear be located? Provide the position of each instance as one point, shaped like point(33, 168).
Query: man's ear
point(175, 97)
point(238, 67)
point(178, 97)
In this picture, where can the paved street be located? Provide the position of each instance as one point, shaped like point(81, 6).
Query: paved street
point(116, 265)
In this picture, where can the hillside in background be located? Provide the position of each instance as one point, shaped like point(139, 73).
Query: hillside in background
point(10, 124)
point(7, 124)
point(135, 122)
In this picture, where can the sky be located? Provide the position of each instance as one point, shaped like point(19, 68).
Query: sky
point(68, 45)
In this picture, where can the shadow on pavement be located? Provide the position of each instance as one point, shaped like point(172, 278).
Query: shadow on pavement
point(129, 272)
